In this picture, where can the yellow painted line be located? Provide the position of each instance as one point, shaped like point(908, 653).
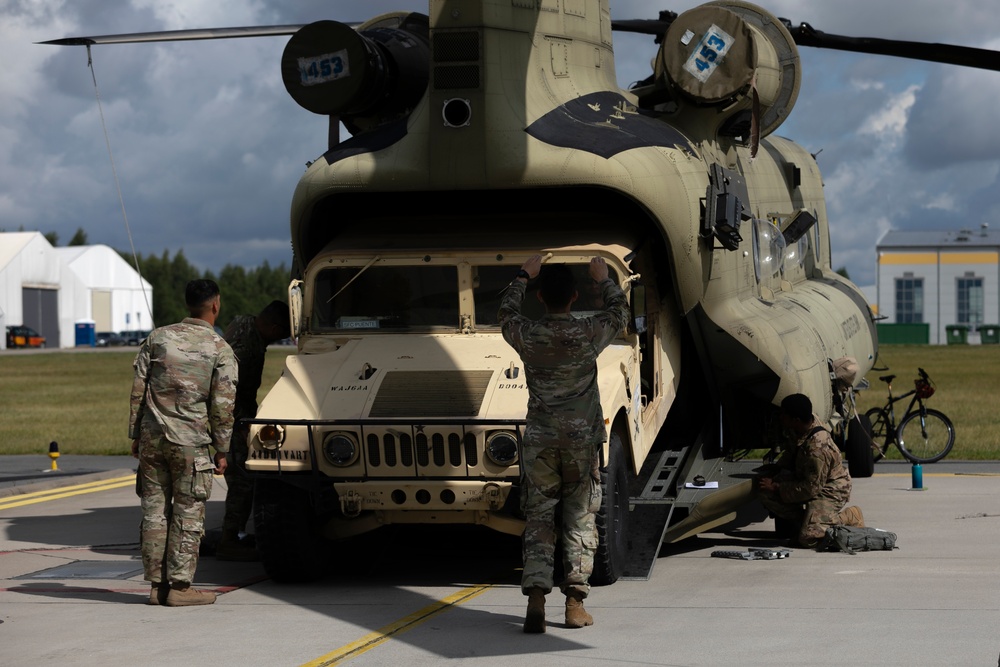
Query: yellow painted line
point(405, 624)
point(65, 492)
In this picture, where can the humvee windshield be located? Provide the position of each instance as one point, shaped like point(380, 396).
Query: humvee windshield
point(426, 296)
point(386, 297)
point(489, 283)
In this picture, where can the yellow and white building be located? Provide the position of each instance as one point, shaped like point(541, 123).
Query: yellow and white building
point(941, 278)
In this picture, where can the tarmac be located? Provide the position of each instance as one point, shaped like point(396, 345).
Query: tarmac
point(71, 589)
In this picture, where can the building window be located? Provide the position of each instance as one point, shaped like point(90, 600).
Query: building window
point(909, 300)
point(970, 301)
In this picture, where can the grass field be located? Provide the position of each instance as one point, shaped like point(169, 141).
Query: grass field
point(80, 399)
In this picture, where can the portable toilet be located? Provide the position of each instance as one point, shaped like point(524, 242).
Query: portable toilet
point(85, 333)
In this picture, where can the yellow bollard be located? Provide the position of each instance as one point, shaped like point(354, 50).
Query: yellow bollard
point(54, 454)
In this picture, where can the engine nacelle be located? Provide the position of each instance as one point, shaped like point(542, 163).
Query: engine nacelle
point(731, 57)
point(365, 76)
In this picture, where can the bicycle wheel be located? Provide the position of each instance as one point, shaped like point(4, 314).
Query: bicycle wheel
point(881, 432)
point(925, 436)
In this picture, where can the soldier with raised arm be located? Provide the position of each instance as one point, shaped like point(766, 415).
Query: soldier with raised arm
point(564, 431)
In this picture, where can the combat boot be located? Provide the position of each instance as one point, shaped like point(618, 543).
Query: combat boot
point(158, 594)
point(182, 595)
point(534, 619)
point(576, 615)
point(851, 516)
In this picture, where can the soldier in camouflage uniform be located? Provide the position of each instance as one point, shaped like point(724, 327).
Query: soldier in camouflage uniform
point(810, 486)
point(182, 402)
point(564, 431)
point(249, 337)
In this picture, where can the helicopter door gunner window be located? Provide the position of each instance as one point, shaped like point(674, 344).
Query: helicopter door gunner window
point(356, 298)
point(768, 251)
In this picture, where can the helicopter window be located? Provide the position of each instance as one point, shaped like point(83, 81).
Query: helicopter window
point(489, 283)
point(386, 297)
point(768, 249)
point(795, 254)
point(818, 245)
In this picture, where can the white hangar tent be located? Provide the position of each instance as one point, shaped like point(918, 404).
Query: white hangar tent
point(117, 302)
point(51, 289)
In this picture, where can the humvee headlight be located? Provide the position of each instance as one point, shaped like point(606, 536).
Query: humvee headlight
point(340, 449)
point(501, 448)
point(271, 436)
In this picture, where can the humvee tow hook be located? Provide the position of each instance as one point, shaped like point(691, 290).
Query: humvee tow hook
point(350, 504)
point(493, 495)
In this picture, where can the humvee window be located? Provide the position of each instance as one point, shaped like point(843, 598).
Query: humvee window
point(386, 297)
point(489, 283)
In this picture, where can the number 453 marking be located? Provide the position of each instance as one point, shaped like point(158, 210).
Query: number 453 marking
point(327, 67)
point(708, 53)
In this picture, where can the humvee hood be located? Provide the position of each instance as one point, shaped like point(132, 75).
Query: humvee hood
point(459, 377)
point(390, 377)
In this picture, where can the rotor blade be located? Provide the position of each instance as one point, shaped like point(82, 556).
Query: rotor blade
point(646, 26)
point(966, 56)
point(178, 35)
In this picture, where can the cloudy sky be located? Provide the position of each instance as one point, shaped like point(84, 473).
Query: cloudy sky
point(208, 146)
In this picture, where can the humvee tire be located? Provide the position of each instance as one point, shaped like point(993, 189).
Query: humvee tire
point(612, 519)
point(289, 546)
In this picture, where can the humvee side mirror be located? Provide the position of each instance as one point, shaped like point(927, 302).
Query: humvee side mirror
point(295, 307)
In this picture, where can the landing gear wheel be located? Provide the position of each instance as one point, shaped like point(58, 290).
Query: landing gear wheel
point(287, 538)
point(612, 519)
point(858, 447)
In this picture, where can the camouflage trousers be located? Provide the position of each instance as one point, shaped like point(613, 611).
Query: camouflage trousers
point(239, 492)
point(174, 483)
point(561, 496)
point(813, 517)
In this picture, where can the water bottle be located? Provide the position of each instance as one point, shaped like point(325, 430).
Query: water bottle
point(918, 476)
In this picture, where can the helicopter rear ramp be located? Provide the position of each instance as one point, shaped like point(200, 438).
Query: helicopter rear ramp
point(712, 491)
point(649, 514)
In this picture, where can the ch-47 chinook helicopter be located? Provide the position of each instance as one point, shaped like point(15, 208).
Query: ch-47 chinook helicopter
point(484, 133)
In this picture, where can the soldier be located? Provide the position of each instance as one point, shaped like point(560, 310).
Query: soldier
point(564, 430)
point(809, 485)
point(249, 337)
point(182, 402)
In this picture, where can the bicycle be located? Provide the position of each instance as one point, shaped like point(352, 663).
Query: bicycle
point(923, 435)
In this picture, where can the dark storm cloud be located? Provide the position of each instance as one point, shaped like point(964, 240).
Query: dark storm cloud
point(209, 147)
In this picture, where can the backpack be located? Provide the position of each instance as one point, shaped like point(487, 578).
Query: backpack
point(851, 539)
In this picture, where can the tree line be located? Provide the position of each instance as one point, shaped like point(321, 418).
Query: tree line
point(244, 291)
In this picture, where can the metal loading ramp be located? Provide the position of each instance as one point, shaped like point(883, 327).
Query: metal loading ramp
point(649, 514)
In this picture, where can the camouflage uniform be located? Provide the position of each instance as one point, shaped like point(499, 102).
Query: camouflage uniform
point(564, 432)
point(182, 402)
point(249, 348)
point(813, 485)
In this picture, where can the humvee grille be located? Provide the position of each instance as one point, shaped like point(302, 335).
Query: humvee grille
point(431, 394)
point(396, 450)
